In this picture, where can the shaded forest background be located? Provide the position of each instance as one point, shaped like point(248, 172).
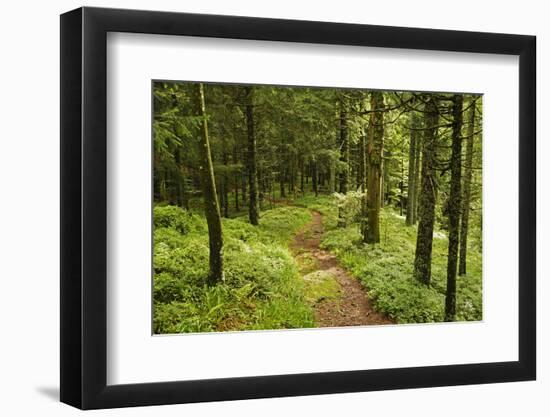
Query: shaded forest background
point(240, 170)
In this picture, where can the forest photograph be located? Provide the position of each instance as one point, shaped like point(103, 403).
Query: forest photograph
point(283, 207)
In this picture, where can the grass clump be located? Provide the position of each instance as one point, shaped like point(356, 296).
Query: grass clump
point(262, 288)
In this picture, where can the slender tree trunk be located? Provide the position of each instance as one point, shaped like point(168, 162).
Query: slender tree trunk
point(314, 177)
point(253, 210)
point(332, 179)
point(225, 182)
point(244, 186)
point(417, 158)
point(402, 183)
point(181, 198)
point(302, 175)
point(454, 209)
point(467, 191)
point(163, 192)
point(383, 177)
point(260, 185)
point(282, 180)
point(236, 179)
point(428, 193)
point(211, 206)
point(344, 148)
point(291, 179)
point(411, 198)
point(344, 157)
point(374, 152)
point(363, 175)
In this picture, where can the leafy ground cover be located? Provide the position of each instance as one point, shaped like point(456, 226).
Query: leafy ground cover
point(266, 287)
point(262, 288)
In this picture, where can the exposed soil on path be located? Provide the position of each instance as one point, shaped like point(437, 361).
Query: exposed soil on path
point(352, 307)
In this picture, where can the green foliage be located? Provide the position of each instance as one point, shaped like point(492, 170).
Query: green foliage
point(349, 205)
point(262, 288)
point(386, 270)
point(175, 218)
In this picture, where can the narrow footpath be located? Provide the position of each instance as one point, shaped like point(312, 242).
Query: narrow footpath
point(352, 307)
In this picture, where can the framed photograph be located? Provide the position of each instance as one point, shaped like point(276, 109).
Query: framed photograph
point(257, 208)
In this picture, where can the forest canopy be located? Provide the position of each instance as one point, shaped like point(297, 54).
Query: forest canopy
point(289, 207)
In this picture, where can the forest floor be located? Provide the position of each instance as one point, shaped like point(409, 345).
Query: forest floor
point(338, 298)
point(300, 269)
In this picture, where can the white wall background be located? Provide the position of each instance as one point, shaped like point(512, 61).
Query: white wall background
point(29, 213)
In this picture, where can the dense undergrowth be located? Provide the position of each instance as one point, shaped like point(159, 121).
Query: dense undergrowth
point(386, 269)
point(262, 288)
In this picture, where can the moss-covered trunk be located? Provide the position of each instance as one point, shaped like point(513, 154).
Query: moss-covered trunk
point(454, 208)
point(428, 193)
point(466, 193)
point(344, 147)
point(418, 157)
point(253, 209)
point(363, 179)
point(208, 182)
point(411, 187)
point(374, 152)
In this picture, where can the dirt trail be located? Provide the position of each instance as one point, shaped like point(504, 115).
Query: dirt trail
point(353, 308)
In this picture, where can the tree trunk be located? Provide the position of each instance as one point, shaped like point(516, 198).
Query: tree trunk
point(363, 176)
point(282, 180)
point(428, 191)
point(211, 206)
point(384, 177)
point(454, 209)
point(344, 148)
point(302, 175)
point(243, 184)
point(236, 179)
point(291, 179)
point(411, 198)
point(314, 177)
point(374, 152)
point(417, 159)
point(253, 210)
point(402, 182)
point(225, 182)
point(467, 191)
point(332, 177)
point(260, 188)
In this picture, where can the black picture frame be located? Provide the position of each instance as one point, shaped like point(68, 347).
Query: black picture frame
point(84, 207)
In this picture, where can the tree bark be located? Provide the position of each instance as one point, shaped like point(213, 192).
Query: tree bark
point(344, 148)
point(374, 152)
point(411, 198)
point(211, 206)
point(253, 209)
point(454, 208)
point(243, 185)
point(428, 192)
point(282, 178)
point(467, 191)
point(225, 182)
point(417, 159)
point(302, 176)
point(363, 176)
point(236, 179)
point(332, 176)
point(314, 177)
